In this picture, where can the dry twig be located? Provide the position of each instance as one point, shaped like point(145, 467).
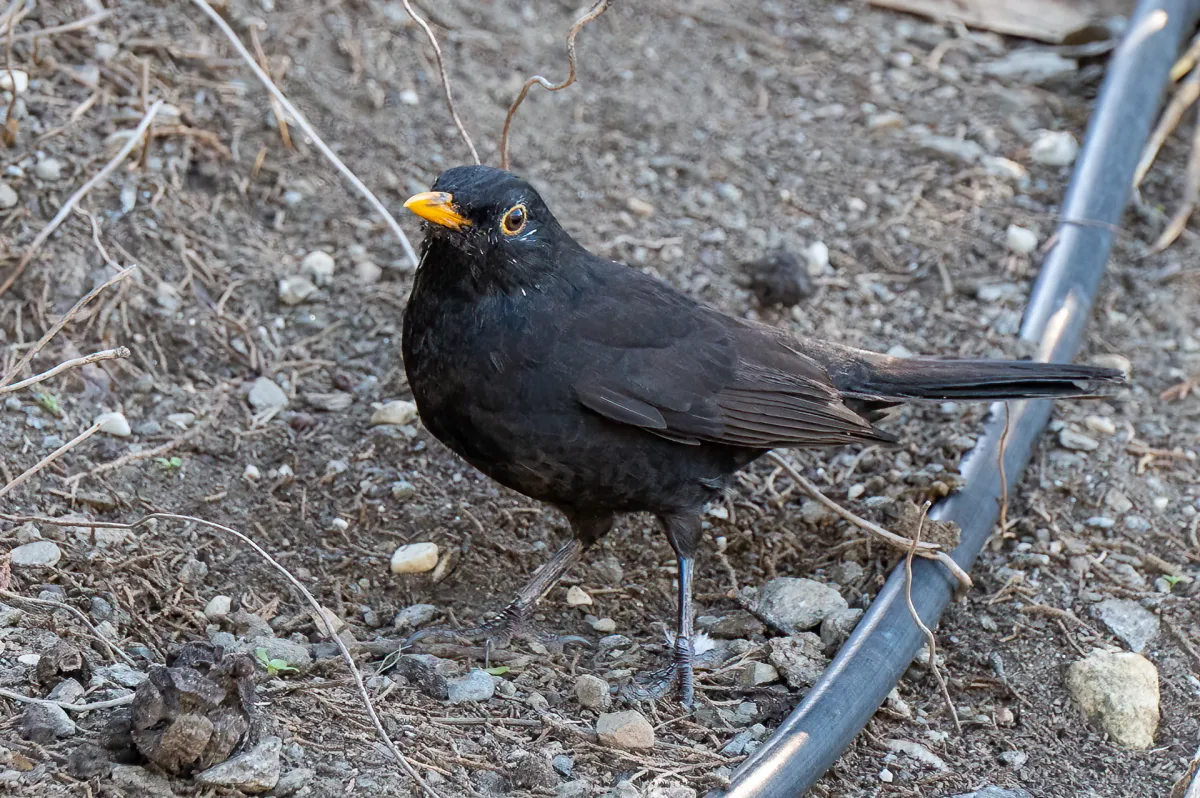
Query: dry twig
point(74, 199)
point(66, 27)
point(324, 627)
point(1185, 96)
point(303, 124)
point(24, 699)
point(95, 357)
point(437, 53)
point(930, 551)
point(114, 650)
point(50, 458)
point(1191, 195)
point(596, 10)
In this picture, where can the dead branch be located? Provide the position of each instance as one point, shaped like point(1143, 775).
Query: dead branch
point(596, 10)
point(50, 458)
point(95, 357)
point(437, 53)
point(303, 124)
point(323, 627)
point(63, 212)
point(930, 551)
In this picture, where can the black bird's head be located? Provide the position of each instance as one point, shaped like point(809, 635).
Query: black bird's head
point(490, 222)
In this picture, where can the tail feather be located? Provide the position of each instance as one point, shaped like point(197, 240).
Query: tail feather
point(893, 378)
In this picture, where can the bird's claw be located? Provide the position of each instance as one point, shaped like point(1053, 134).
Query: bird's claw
point(654, 685)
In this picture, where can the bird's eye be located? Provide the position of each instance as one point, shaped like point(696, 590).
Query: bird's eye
point(514, 220)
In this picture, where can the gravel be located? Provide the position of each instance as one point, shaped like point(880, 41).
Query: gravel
point(628, 730)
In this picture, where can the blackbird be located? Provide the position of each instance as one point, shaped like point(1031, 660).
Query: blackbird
point(583, 383)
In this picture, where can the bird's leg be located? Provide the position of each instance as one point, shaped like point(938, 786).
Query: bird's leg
point(513, 621)
point(683, 532)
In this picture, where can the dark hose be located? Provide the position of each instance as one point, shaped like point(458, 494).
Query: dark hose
point(886, 640)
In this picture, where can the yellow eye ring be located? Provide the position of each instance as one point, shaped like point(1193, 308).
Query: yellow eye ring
point(515, 220)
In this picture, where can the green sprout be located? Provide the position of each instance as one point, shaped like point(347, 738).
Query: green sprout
point(1172, 580)
point(48, 403)
point(499, 670)
point(169, 463)
point(274, 666)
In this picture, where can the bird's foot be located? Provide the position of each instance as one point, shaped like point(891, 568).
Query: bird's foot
point(680, 674)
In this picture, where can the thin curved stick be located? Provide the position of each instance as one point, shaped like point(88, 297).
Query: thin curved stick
point(596, 10)
point(437, 52)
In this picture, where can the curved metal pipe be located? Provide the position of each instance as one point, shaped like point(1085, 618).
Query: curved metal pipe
point(886, 640)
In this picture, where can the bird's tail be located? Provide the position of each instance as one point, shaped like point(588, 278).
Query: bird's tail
point(867, 375)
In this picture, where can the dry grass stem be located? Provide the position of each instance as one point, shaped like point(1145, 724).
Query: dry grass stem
point(63, 322)
point(276, 108)
point(1191, 195)
point(1003, 472)
point(596, 10)
point(437, 53)
point(74, 199)
point(930, 638)
point(930, 551)
point(66, 27)
point(296, 583)
point(24, 699)
point(1185, 96)
point(95, 357)
point(303, 124)
point(50, 458)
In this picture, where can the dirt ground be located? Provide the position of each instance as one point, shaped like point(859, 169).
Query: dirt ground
point(699, 137)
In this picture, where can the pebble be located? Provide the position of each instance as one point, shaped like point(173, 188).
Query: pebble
point(1004, 168)
point(1054, 148)
point(193, 572)
point(799, 658)
point(403, 489)
point(837, 628)
point(318, 265)
point(9, 616)
point(886, 776)
point(1013, 759)
point(845, 573)
point(414, 616)
point(16, 82)
point(265, 394)
point(604, 625)
point(475, 686)
point(778, 279)
point(814, 513)
point(254, 771)
point(43, 723)
point(1020, 240)
point(427, 672)
point(628, 730)
point(181, 420)
point(1077, 441)
point(887, 120)
point(368, 272)
point(1113, 361)
point(49, 169)
point(292, 782)
point(962, 151)
point(114, 424)
point(333, 402)
point(295, 288)
point(252, 473)
point(1119, 692)
point(1030, 65)
point(1118, 501)
point(592, 692)
point(1135, 625)
point(119, 674)
point(30, 659)
point(8, 196)
point(408, 97)
point(397, 412)
point(38, 554)
point(755, 673)
point(563, 765)
point(578, 597)
point(1101, 425)
point(414, 558)
point(68, 691)
point(918, 752)
point(640, 207)
point(799, 602)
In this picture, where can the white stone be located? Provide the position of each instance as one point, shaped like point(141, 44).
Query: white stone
point(629, 730)
point(368, 272)
point(18, 78)
point(409, 97)
point(397, 413)
point(114, 424)
point(1054, 148)
point(38, 554)
point(252, 473)
point(414, 558)
point(1020, 240)
point(1101, 425)
point(592, 692)
point(798, 602)
point(578, 597)
point(817, 256)
point(295, 288)
point(218, 607)
point(265, 394)
point(604, 625)
point(318, 265)
point(1119, 692)
point(49, 169)
point(8, 196)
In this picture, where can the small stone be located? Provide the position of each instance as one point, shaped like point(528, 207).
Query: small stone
point(8, 196)
point(367, 272)
point(298, 655)
point(1135, 625)
point(1013, 759)
point(252, 473)
point(592, 692)
point(1020, 240)
point(292, 782)
point(1077, 441)
point(1101, 425)
point(846, 573)
point(44, 723)
point(475, 686)
point(193, 572)
point(799, 658)
point(580, 788)
point(856, 491)
point(181, 420)
point(49, 169)
point(114, 424)
point(254, 771)
point(1004, 168)
point(778, 279)
point(415, 558)
point(1118, 501)
point(1110, 360)
point(333, 402)
point(640, 207)
point(414, 616)
point(218, 608)
point(798, 602)
point(578, 597)
point(119, 674)
point(38, 554)
point(918, 752)
point(886, 776)
point(408, 97)
point(318, 266)
point(1119, 692)
point(88, 761)
point(1030, 65)
point(628, 730)
point(837, 628)
point(961, 151)
point(755, 673)
point(295, 288)
point(604, 625)
point(888, 120)
point(327, 621)
point(427, 672)
point(138, 781)
point(814, 513)
point(9, 616)
point(397, 413)
point(563, 765)
point(31, 660)
point(17, 81)
point(1054, 148)
point(68, 691)
point(995, 792)
point(403, 489)
point(737, 625)
point(265, 394)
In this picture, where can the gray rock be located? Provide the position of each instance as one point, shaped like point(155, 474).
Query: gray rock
point(120, 674)
point(68, 691)
point(995, 792)
point(1077, 441)
point(427, 672)
point(329, 402)
point(293, 782)
point(193, 572)
point(475, 686)
point(1054, 148)
point(737, 745)
point(297, 655)
point(1130, 621)
point(592, 692)
point(755, 673)
point(563, 765)
point(737, 625)
point(138, 781)
point(530, 771)
point(9, 616)
point(265, 394)
point(1030, 65)
point(43, 723)
point(8, 197)
point(38, 554)
point(846, 572)
point(629, 730)
point(100, 609)
point(961, 151)
point(414, 616)
point(836, 628)
point(799, 658)
point(254, 771)
point(1119, 692)
point(800, 603)
point(573, 789)
point(1013, 759)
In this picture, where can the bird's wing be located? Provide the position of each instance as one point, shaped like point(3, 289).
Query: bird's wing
point(659, 361)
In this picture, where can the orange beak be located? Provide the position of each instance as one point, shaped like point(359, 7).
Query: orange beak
point(437, 207)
